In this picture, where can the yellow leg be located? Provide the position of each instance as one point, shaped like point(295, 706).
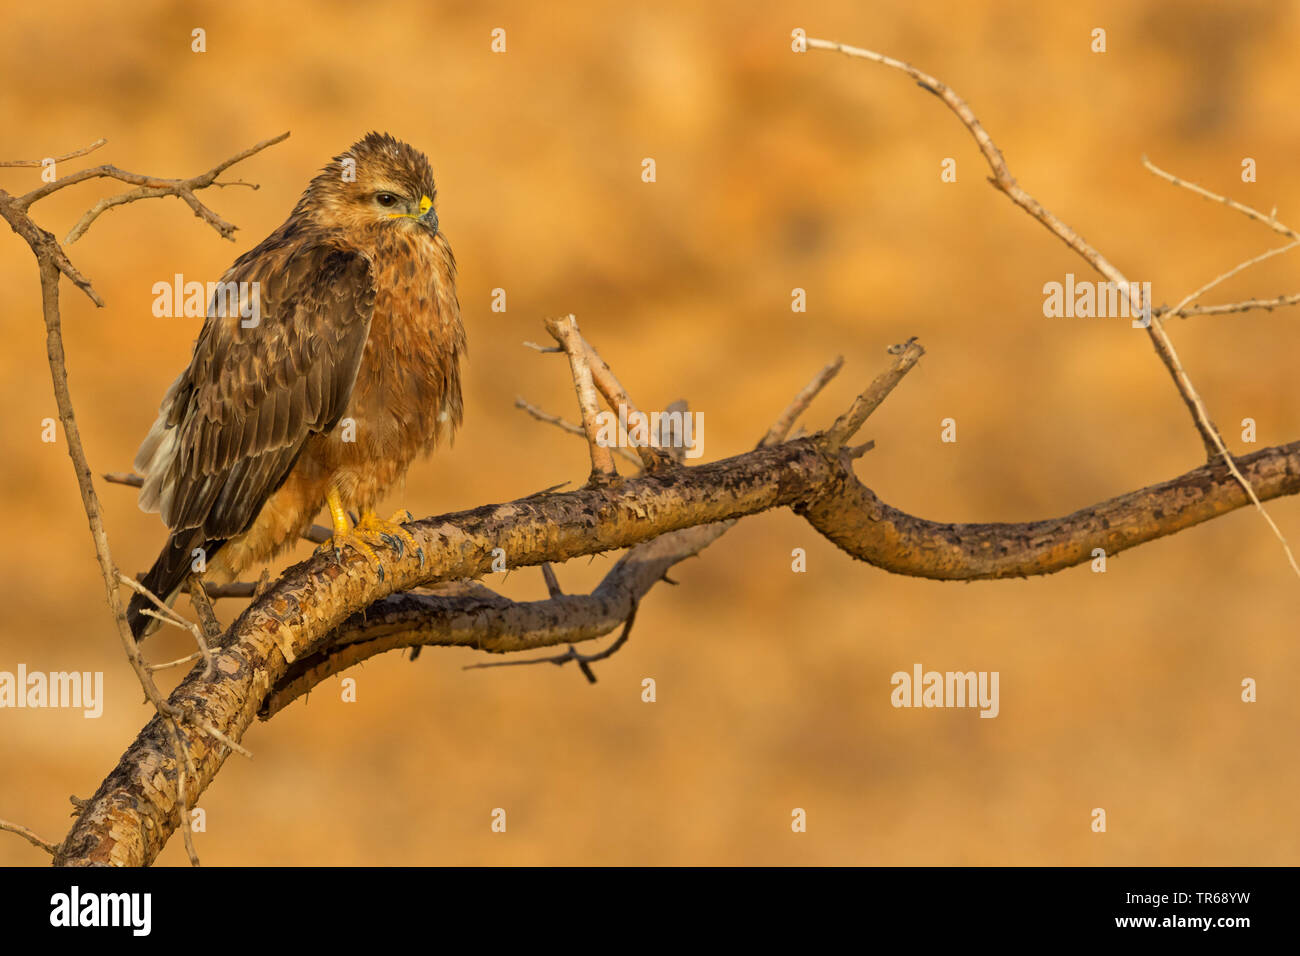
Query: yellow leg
point(337, 514)
point(347, 536)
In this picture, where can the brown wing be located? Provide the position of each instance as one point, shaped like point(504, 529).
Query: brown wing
point(231, 427)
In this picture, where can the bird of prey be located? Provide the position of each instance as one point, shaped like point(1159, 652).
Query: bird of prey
point(348, 369)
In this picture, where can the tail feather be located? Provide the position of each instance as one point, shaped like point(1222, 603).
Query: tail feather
point(167, 575)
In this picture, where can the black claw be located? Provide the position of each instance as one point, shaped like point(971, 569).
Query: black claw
point(380, 569)
point(420, 554)
point(395, 543)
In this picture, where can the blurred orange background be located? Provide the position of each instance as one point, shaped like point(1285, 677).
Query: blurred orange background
point(774, 171)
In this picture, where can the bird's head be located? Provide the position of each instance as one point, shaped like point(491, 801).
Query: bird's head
point(378, 183)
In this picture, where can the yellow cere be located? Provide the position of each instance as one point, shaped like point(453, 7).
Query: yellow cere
point(425, 203)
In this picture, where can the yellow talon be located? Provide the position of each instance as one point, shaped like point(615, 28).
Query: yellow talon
point(391, 529)
point(370, 532)
point(346, 536)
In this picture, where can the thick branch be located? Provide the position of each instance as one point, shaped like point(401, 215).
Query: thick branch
point(472, 615)
point(850, 515)
point(298, 615)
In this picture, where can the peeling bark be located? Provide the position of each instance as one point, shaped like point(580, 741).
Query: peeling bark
point(128, 820)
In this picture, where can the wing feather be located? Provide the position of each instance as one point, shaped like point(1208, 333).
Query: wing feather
point(232, 426)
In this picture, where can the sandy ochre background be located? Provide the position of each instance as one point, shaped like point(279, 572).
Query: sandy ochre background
point(775, 171)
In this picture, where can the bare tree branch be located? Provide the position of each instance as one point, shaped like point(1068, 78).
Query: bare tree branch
point(584, 661)
point(557, 421)
point(1164, 347)
point(472, 615)
point(1003, 180)
point(303, 611)
point(22, 831)
point(799, 404)
point(53, 262)
point(1270, 220)
point(621, 404)
point(149, 187)
point(552, 582)
point(848, 424)
point(1268, 305)
point(58, 159)
point(1193, 296)
point(565, 332)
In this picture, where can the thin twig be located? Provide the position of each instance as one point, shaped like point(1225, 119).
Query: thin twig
point(584, 661)
point(43, 245)
point(235, 589)
point(567, 426)
point(799, 404)
point(621, 404)
point(1270, 221)
point(187, 659)
point(847, 425)
point(148, 187)
point(207, 617)
point(182, 796)
point(57, 159)
point(1003, 180)
point(129, 478)
point(89, 498)
point(545, 491)
point(565, 331)
point(552, 582)
point(1268, 305)
point(1192, 297)
point(27, 834)
point(170, 616)
point(164, 611)
point(215, 734)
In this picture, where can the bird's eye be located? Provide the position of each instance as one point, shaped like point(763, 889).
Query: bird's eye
point(387, 200)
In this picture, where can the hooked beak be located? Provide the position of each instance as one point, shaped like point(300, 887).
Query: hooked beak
point(427, 215)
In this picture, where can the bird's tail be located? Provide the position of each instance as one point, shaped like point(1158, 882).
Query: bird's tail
point(167, 575)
